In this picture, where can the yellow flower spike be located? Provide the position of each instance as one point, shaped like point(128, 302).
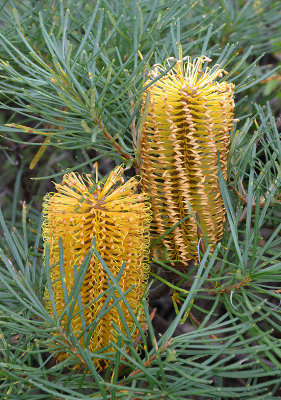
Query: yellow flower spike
point(119, 218)
point(187, 121)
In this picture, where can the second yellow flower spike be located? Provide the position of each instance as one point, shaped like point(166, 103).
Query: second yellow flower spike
point(188, 118)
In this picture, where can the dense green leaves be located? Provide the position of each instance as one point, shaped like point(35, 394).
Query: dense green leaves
point(77, 70)
point(72, 72)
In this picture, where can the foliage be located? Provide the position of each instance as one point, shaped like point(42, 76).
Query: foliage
point(72, 79)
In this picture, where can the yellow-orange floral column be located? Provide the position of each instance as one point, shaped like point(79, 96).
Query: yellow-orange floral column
point(119, 218)
point(189, 118)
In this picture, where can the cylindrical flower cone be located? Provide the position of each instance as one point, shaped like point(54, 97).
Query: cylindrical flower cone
point(188, 117)
point(119, 218)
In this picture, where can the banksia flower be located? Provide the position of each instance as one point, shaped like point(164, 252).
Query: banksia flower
point(119, 219)
point(188, 116)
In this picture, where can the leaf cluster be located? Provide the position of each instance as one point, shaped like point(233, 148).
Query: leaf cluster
point(73, 74)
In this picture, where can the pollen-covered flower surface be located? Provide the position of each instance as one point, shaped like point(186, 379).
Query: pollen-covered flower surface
point(189, 116)
point(118, 217)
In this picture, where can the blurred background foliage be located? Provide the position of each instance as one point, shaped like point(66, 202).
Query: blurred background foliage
point(72, 74)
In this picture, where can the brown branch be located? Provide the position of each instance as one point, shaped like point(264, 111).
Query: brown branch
point(227, 289)
point(198, 323)
point(230, 288)
point(271, 78)
point(37, 248)
point(254, 204)
point(112, 141)
point(152, 358)
point(74, 350)
point(194, 319)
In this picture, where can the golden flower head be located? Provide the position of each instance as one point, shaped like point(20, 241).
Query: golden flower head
point(188, 115)
point(118, 217)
